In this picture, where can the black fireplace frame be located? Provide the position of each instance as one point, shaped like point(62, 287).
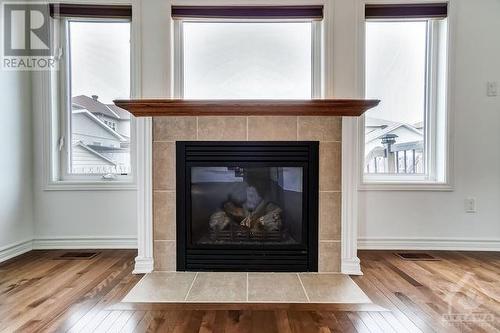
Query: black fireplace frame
point(273, 258)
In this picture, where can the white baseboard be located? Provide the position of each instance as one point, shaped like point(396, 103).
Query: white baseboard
point(16, 249)
point(143, 265)
point(445, 244)
point(87, 242)
point(351, 266)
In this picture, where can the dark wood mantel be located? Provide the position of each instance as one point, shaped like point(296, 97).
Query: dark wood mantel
point(180, 107)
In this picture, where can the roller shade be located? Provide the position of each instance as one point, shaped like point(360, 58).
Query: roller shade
point(90, 11)
point(395, 11)
point(314, 12)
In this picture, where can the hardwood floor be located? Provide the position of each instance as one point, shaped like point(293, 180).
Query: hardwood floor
point(458, 293)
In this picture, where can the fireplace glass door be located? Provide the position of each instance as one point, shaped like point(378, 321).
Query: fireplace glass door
point(246, 205)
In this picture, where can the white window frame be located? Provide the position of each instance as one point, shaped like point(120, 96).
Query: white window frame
point(317, 90)
point(435, 177)
point(60, 133)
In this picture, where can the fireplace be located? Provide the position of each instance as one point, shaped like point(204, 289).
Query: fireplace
point(247, 206)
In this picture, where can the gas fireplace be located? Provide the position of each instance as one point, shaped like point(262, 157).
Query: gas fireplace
point(247, 206)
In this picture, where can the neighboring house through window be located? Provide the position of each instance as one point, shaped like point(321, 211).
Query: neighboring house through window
point(98, 144)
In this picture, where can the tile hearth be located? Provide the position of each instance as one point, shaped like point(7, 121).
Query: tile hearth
point(226, 287)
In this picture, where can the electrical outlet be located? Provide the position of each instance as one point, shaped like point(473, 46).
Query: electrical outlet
point(470, 205)
point(492, 89)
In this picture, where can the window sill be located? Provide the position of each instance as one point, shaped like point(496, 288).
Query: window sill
point(90, 186)
point(405, 186)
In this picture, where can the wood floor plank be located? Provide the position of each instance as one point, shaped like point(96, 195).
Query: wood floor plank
point(282, 322)
point(264, 321)
point(301, 321)
point(143, 325)
point(238, 321)
point(120, 322)
point(326, 321)
point(394, 322)
point(208, 322)
point(41, 294)
point(345, 324)
point(357, 322)
point(133, 321)
point(381, 321)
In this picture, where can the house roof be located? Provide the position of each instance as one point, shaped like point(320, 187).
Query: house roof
point(382, 127)
point(99, 122)
point(123, 114)
point(94, 106)
point(92, 151)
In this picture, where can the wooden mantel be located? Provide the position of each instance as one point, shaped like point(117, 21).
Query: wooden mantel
point(181, 107)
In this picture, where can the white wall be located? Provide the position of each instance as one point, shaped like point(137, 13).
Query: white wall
point(79, 218)
point(16, 197)
point(97, 218)
point(438, 219)
point(382, 215)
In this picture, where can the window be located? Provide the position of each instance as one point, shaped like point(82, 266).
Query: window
point(405, 67)
point(245, 60)
point(247, 52)
point(95, 134)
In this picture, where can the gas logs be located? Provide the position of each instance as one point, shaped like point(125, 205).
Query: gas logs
point(255, 214)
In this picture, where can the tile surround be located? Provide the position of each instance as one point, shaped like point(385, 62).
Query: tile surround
point(329, 215)
point(164, 255)
point(164, 215)
point(330, 166)
point(222, 128)
point(320, 129)
point(167, 130)
point(272, 128)
point(163, 166)
point(174, 128)
point(329, 256)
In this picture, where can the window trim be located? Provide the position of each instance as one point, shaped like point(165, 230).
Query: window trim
point(412, 182)
point(56, 118)
point(314, 12)
point(406, 10)
point(317, 90)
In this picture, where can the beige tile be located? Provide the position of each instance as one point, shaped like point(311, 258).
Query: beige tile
point(320, 128)
point(160, 287)
point(164, 255)
point(332, 288)
point(272, 128)
point(222, 128)
point(275, 287)
point(219, 287)
point(163, 166)
point(164, 215)
point(329, 215)
point(329, 257)
point(174, 128)
point(330, 155)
